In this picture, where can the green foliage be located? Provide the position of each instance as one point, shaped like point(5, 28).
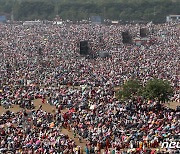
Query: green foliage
point(155, 89)
point(158, 89)
point(153, 10)
point(130, 89)
point(34, 10)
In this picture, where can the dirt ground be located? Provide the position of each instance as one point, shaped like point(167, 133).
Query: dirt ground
point(172, 105)
point(37, 103)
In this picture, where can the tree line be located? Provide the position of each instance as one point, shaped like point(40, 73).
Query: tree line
point(125, 10)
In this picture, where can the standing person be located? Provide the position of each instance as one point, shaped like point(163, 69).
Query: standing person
point(43, 100)
point(79, 138)
point(87, 149)
point(74, 134)
point(107, 143)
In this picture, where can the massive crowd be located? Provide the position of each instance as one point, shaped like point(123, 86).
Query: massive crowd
point(43, 61)
point(33, 132)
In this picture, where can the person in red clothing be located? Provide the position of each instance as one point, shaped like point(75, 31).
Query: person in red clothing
point(43, 100)
point(107, 143)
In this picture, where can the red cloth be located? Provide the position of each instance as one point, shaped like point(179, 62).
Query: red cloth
point(43, 100)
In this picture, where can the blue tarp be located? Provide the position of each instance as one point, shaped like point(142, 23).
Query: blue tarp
point(96, 19)
point(2, 18)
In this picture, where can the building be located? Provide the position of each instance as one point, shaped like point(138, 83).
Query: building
point(171, 18)
point(31, 23)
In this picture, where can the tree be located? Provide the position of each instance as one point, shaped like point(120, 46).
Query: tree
point(130, 89)
point(158, 89)
point(126, 10)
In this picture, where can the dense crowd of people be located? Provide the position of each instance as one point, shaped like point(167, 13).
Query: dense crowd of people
point(43, 61)
point(33, 132)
